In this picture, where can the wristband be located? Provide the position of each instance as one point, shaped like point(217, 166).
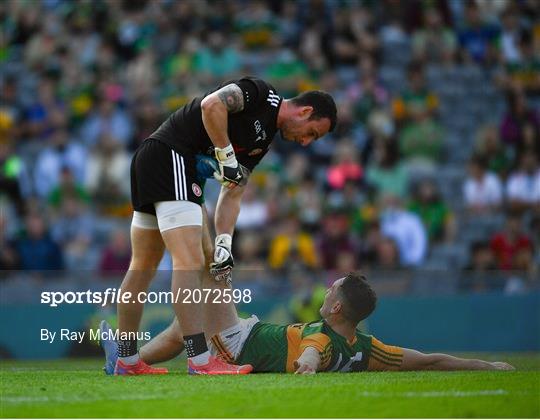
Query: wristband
point(226, 156)
point(224, 240)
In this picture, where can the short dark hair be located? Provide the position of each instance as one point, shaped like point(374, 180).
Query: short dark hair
point(323, 105)
point(359, 299)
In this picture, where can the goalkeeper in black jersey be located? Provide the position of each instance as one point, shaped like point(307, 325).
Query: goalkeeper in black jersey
point(231, 128)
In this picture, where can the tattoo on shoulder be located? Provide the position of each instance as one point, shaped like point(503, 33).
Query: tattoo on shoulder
point(232, 97)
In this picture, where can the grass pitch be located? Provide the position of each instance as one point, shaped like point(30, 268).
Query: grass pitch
point(77, 388)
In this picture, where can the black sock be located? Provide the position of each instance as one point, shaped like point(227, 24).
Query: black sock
point(195, 344)
point(127, 348)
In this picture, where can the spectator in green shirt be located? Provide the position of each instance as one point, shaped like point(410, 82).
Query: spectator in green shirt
point(386, 173)
point(435, 215)
point(67, 188)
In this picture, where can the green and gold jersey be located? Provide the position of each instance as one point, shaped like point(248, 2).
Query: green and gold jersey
point(274, 348)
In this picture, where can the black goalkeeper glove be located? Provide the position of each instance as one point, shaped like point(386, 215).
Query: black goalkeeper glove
point(231, 173)
point(223, 263)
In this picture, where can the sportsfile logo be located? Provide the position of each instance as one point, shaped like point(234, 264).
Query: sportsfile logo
point(114, 296)
point(109, 296)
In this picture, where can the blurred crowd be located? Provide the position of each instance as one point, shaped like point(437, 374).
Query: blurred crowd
point(420, 174)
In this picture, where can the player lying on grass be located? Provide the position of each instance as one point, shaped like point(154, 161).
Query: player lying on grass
point(332, 344)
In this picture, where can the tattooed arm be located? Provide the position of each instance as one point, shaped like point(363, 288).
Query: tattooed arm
point(215, 108)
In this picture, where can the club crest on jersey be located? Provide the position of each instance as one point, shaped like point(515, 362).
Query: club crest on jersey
point(196, 189)
point(255, 152)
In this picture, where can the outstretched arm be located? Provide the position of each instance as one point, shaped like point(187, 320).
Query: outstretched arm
point(415, 360)
point(308, 362)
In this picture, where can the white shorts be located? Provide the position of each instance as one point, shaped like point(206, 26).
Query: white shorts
point(169, 215)
point(230, 342)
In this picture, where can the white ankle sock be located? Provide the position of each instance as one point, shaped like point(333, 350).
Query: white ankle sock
point(201, 359)
point(130, 360)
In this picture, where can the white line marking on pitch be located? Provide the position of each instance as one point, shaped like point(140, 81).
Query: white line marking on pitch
point(367, 394)
point(431, 394)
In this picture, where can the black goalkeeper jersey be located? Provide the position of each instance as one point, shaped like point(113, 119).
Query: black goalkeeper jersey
point(250, 131)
